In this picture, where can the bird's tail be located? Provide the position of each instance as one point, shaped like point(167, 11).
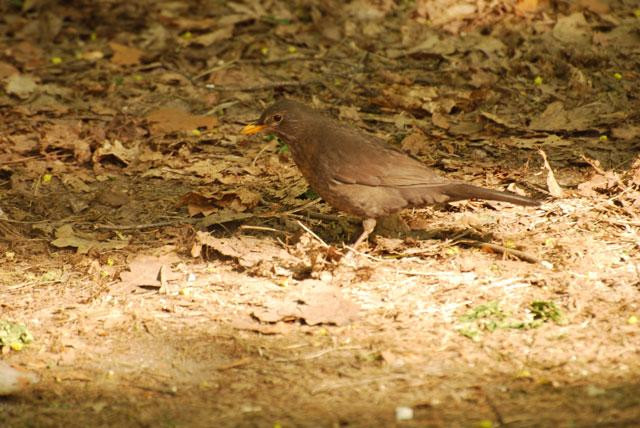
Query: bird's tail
point(460, 191)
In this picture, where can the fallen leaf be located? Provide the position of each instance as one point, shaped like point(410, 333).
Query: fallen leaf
point(67, 237)
point(588, 116)
point(247, 250)
point(349, 113)
point(24, 144)
point(312, 302)
point(598, 182)
point(125, 55)
point(528, 6)
point(44, 103)
point(191, 24)
point(117, 150)
point(209, 169)
point(628, 132)
point(552, 184)
point(238, 200)
point(596, 6)
point(114, 198)
point(210, 38)
point(21, 85)
point(250, 324)
point(26, 54)
point(417, 143)
point(66, 136)
point(7, 70)
point(167, 120)
point(149, 271)
point(76, 183)
point(440, 120)
point(499, 120)
point(572, 29)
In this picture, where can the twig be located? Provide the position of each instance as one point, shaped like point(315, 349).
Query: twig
point(29, 284)
point(352, 250)
point(262, 150)
point(622, 222)
point(150, 66)
point(145, 225)
point(328, 217)
point(310, 232)
point(301, 207)
point(14, 161)
point(273, 61)
point(262, 228)
point(220, 107)
point(493, 407)
point(318, 354)
point(237, 363)
point(213, 69)
point(439, 275)
point(501, 250)
point(298, 58)
point(270, 85)
point(172, 390)
point(345, 384)
point(8, 220)
point(594, 164)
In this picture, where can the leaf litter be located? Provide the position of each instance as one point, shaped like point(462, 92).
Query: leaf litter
point(161, 259)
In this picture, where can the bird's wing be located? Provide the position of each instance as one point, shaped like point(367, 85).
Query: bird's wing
point(370, 161)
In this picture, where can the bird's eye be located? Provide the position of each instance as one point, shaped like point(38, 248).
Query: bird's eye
point(277, 118)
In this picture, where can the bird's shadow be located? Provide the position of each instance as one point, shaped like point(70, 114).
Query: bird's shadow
point(395, 227)
point(395, 241)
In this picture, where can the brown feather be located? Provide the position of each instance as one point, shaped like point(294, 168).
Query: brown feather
point(361, 174)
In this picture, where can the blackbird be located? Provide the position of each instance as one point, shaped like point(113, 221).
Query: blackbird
point(359, 173)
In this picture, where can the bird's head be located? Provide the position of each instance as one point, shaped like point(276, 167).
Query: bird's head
point(281, 118)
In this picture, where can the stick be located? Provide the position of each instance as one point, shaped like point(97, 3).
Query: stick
point(270, 85)
point(502, 250)
point(310, 232)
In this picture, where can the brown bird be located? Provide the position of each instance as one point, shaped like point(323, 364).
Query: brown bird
point(359, 173)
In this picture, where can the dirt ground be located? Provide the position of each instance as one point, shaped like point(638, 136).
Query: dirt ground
point(171, 272)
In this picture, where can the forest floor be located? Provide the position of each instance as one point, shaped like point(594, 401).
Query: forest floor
point(158, 268)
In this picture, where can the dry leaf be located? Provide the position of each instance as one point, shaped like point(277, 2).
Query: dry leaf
point(440, 120)
point(150, 271)
point(247, 250)
point(572, 29)
point(597, 182)
point(552, 184)
point(416, 144)
point(167, 120)
point(312, 302)
point(238, 200)
point(7, 70)
point(21, 85)
point(117, 150)
point(67, 237)
point(125, 55)
point(210, 38)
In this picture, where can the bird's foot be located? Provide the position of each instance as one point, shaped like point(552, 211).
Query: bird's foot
point(368, 225)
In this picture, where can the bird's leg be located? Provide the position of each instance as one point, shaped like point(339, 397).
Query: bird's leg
point(368, 224)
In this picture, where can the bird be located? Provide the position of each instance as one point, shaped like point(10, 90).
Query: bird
point(359, 173)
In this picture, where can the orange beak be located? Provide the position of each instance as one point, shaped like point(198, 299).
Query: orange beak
point(253, 129)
